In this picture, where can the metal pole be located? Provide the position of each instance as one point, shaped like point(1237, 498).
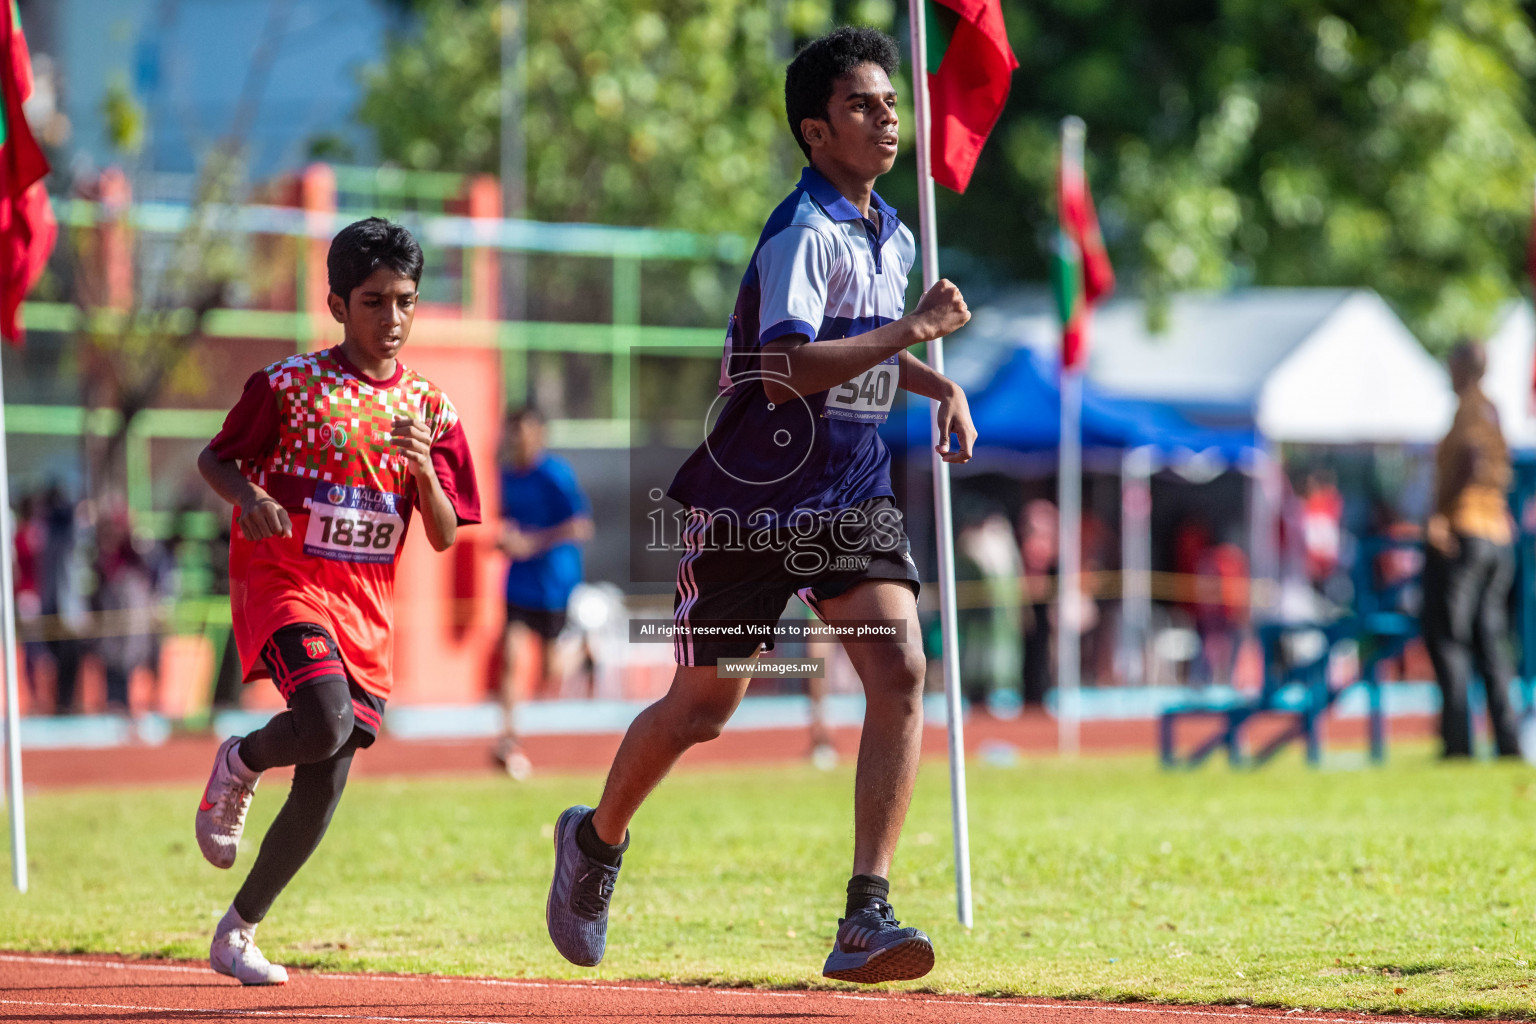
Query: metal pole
point(8, 651)
point(1069, 488)
point(943, 518)
point(514, 160)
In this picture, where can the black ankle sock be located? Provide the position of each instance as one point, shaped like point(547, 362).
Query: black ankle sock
point(862, 889)
point(593, 846)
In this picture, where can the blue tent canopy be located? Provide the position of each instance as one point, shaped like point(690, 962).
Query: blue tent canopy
point(1020, 410)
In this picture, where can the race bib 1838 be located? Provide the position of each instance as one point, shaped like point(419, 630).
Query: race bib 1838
point(866, 398)
point(354, 524)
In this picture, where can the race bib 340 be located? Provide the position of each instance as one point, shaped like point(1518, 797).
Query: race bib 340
point(866, 398)
point(354, 524)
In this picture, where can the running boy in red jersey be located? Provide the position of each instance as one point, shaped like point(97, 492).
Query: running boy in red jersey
point(327, 457)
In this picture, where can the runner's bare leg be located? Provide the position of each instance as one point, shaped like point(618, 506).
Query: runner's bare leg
point(515, 641)
point(816, 691)
point(892, 674)
point(694, 711)
point(553, 667)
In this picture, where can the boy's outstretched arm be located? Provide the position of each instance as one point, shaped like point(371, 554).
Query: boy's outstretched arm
point(411, 439)
point(954, 412)
point(260, 514)
point(816, 367)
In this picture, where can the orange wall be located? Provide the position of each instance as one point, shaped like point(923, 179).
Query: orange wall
point(448, 606)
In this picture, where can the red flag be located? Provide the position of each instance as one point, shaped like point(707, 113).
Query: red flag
point(27, 226)
point(1083, 274)
point(970, 67)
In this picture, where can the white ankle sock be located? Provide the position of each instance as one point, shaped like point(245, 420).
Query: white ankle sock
point(232, 921)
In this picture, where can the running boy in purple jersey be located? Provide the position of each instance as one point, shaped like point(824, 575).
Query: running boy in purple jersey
point(791, 494)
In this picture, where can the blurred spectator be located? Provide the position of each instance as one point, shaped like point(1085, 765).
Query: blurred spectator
point(129, 577)
point(30, 536)
point(1191, 545)
point(544, 518)
point(227, 688)
point(1322, 527)
point(988, 558)
point(1469, 561)
point(1039, 542)
point(1399, 561)
point(1221, 611)
point(61, 591)
point(823, 751)
point(1395, 573)
point(1096, 618)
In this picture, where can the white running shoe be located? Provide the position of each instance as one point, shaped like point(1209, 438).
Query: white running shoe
point(221, 812)
point(234, 953)
point(513, 760)
point(824, 756)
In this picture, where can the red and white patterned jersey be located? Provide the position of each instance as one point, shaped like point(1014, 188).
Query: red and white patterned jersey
point(314, 432)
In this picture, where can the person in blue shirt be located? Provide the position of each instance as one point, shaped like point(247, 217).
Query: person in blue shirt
point(545, 518)
point(790, 494)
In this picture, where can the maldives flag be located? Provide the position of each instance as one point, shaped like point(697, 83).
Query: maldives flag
point(1080, 270)
point(970, 66)
point(27, 227)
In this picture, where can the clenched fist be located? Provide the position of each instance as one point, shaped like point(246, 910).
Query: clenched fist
point(410, 438)
point(943, 309)
point(263, 518)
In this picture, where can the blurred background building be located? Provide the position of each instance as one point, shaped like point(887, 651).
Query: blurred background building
point(1268, 392)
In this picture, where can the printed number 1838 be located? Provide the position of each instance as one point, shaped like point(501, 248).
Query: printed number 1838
point(357, 533)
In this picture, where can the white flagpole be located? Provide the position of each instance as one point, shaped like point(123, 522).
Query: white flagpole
point(8, 651)
point(1069, 491)
point(943, 518)
point(1069, 488)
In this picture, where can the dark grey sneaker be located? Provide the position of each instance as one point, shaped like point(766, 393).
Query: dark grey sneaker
point(577, 909)
point(872, 947)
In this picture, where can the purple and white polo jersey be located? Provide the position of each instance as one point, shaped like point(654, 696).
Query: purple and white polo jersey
point(823, 271)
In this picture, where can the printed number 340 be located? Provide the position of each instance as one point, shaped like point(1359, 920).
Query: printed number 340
point(874, 389)
point(357, 533)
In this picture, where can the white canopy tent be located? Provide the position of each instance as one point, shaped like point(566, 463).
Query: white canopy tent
point(1303, 365)
point(1511, 356)
point(1308, 365)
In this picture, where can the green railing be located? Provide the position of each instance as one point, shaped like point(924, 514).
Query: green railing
point(613, 333)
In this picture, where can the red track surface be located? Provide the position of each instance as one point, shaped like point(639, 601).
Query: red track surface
point(186, 759)
point(97, 988)
point(50, 988)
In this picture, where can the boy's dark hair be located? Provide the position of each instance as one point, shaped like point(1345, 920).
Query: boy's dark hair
point(363, 247)
point(518, 413)
point(1468, 360)
point(808, 82)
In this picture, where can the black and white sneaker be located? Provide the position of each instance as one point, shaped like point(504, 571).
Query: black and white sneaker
point(872, 947)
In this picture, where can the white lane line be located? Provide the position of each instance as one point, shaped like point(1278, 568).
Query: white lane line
point(119, 965)
point(586, 986)
point(284, 1014)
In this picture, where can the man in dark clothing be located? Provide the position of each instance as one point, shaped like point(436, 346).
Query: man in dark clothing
point(1469, 562)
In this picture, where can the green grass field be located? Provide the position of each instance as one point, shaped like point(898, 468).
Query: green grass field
point(1409, 889)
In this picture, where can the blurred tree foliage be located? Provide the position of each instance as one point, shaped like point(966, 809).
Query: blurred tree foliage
point(637, 111)
point(662, 113)
point(1383, 143)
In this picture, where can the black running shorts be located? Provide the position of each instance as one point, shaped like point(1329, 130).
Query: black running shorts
point(543, 621)
point(729, 574)
point(305, 653)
